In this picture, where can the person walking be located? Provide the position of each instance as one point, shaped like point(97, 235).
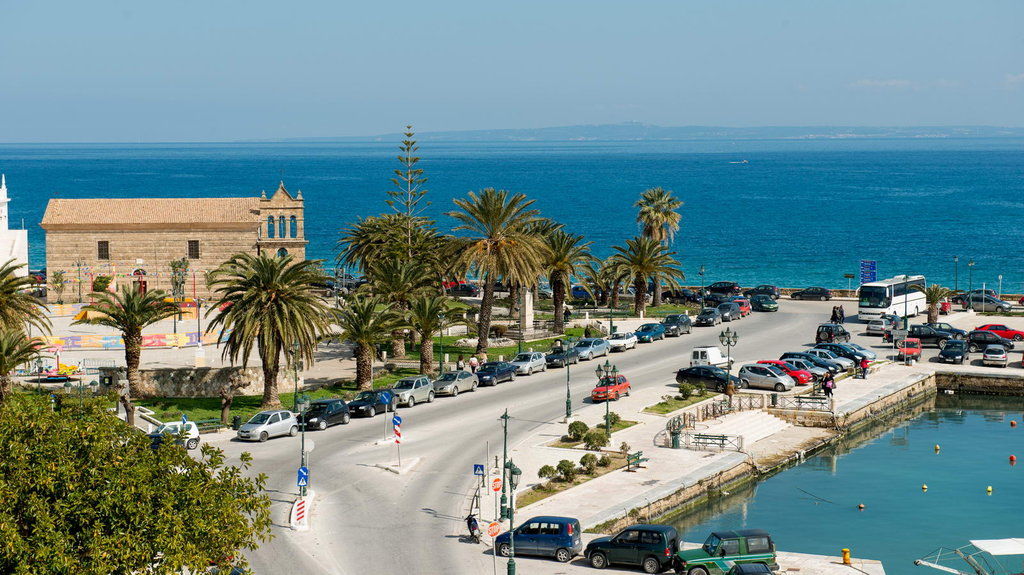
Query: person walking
point(473, 363)
point(566, 315)
point(842, 314)
point(828, 384)
point(835, 315)
point(460, 364)
point(864, 363)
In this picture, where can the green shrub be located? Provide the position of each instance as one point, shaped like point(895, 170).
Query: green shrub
point(567, 470)
point(498, 331)
point(595, 440)
point(624, 448)
point(101, 283)
point(685, 390)
point(604, 461)
point(613, 418)
point(577, 430)
point(589, 463)
point(547, 472)
point(699, 390)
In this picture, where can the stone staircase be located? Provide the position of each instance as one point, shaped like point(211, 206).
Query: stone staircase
point(753, 425)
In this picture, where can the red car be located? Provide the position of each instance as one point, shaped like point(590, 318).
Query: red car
point(609, 389)
point(800, 376)
point(1003, 331)
point(910, 348)
point(744, 304)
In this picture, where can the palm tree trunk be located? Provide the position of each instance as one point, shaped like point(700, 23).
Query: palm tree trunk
point(558, 297)
point(271, 367)
point(426, 354)
point(226, 399)
point(398, 343)
point(656, 299)
point(514, 293)
point(615, 294)
point(483, 326)
point(640, 299)
point(6, 387)
point(129, 409)
point(933, 312)
point(364, 367)
point(132, 355)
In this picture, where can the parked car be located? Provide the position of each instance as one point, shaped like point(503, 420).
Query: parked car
point(994, 355)
point(622, 341)
point(868, 353)
point(726, 288)
point(495, 372)
point(677, 324)
point(413, 390)
point(324, 413)
point(730, 311)
point(652, 547)
point(1002, 331)
point(610, 389)
point(592, 347)
point(928, 335)
point(959, 298)
point(817, 373)
point(750, 569)
point(557, 537)
point(713, 299)
point(744, 304)
point(818, 293)
point(708, 355)
point(649, 332)
point(267, 424)
point(562, 355)
point(763, 377)
point(579, 292)
point(878, 327)
point(725, 549)
point(954, 352)
point(455, 382)
point(943, 326)
point(761, 302)
point(464, 290)
point(709, 316)
point(800, 376)
point(370, 403)
point(188, 432)
point(831, 332)
point(842, 350)
point(985, 302)
point(844, 362)
point(979, 340)
point(909, 348)
point(822, 362)
point(764, 289)
point(528, 362)
point(709, 376)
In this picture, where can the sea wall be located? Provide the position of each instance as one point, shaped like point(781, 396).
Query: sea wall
point(965, 382)
point(201, 381)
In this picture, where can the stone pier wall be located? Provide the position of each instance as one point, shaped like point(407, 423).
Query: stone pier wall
point(202, 381)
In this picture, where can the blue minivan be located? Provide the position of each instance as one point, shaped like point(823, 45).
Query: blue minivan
point(557, 537)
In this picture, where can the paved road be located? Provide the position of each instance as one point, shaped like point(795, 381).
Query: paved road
point(368, 518)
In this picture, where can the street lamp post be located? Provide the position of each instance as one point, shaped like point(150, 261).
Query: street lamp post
point(295, 375)
point(700, 272)
point(956, 273)
point(568, 397)
point(970, 284)
point(609, 373)
point(728, 338)
point(514, 473)
point(440, 318)
point(504, 498)
point(303, 405)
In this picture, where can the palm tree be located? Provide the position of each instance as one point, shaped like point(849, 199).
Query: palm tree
point(643, 259)
point(564, 258)
point(15, 350)
point(933, 296)
point(367, 321)
point(399, 280)
point(17, 306)
point(659, 219)
point(271, 304)
point(429, 315)
point(129, 311)
point(499, 245)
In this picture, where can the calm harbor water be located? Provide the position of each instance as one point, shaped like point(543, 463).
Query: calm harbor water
point(796, 213)
point(812, 508)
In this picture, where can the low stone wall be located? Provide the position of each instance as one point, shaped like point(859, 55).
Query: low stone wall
point(989, 384)
point(201, 381)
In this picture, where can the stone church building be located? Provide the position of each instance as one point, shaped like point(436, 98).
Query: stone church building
point(135, 239)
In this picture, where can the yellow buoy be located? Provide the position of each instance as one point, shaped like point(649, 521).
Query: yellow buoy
point(861, 507)
point(936, 448)
point(989, 489)
point(924, 487)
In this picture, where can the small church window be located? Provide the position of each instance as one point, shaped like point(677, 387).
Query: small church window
point(193, 249)
point(282, 231)
point(270, 226)
point(294, 227)
point(103, 250)
point(282, 252)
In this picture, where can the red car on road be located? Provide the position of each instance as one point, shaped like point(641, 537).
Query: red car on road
point(744, 304)
point(610, 389)
point(910, 348)
point(800, 376)
point(1002, 331)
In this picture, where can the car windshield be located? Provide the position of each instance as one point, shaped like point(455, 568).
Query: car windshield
point(711, 544)
point(874, 296)
point(488, 367)
point(522, 357)
point(317, 407)
point(912, 344)
point(646, 327)
point(450, 376)
point(260, 418)
point(955, 344)
point(171, 428)
point(583, 344)
point(828, 354)
point(774, 369)
point(725, 306)
point(620, 335)
point(708, 311)
point(405, 384)
point(672, 318)
point(856, 346)
point(366, 396)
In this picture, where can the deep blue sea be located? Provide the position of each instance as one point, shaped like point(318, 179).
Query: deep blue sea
point(796, 213)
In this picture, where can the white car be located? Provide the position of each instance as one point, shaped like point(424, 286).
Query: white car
point(765, 376)
point(528, 362)
point(995, 355)
point(267, 424)
point(622, 341)
point(847, 364)
point(171, 430)
point(817, 372)
point(877, 327)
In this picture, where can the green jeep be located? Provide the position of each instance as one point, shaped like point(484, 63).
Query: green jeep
point(723, 549)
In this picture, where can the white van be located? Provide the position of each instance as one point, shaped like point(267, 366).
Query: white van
point(708, 355)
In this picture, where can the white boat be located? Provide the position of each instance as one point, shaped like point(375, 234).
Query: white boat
point(980, 556)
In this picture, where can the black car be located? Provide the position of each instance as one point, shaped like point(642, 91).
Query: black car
point(831, 332)
point(682, 295)
point(495, 372)
point(829, 365)
point(750, 569)
point(713, 299)
point(677, 324)
point(647, 546)
point(930, 336)
point(725, 288)
point(464, 290)
point(955, 351)
point(370, 403)
point(842, 351)
point(978, 340)
point(941, 326)
point(708, 316)
point(730, 311)
point(710, 376)
point(818, 293)
point(764, 289)
point(560, 356)
point(324, 413)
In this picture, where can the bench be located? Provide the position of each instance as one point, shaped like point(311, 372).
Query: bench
point(209, 425)
point(633, 460)
point(705, 439)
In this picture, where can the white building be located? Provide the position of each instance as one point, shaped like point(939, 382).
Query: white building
point(13, 243)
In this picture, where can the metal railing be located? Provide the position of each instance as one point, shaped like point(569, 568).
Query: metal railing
point(803, 402)
point(715, 409)
point(710, 441)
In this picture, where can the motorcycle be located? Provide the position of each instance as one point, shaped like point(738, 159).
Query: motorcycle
point(474, 528)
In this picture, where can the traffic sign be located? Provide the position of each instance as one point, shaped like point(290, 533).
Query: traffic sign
point(397, 421)
point(184, 419)
point(494, 529)
point(496, 484)
point(478, 469)
point(303, 477)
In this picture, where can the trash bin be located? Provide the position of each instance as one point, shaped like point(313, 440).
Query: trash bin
point(236, 422)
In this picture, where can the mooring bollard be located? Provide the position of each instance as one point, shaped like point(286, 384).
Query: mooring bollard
point(846, 557)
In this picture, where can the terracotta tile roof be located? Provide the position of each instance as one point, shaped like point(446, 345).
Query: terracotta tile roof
point(150, 211)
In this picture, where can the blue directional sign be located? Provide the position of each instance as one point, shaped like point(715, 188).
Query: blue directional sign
point(396, 420)
point(303, 479)
point(478, 469)
point(386, 396)
point(868, 271)
point(184, 419)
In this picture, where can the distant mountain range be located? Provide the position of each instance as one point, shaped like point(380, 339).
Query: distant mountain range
point(635, 131)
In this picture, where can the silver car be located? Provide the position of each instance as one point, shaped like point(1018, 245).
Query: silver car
point(410, 390)
point(528, 362)
point(267, 424)
point(985, 302)
point(622, 341)
point(817, 372)
point(453, 382)
point(846, 363)
point(877, 327)
point(590, 348)
point(995, 355)
point(762, 376)
point(871, 355)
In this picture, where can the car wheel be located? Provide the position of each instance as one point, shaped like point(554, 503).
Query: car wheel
point(822, 298)
point(530, 371)
point(974, 347)
point(410, 402)
point(192, 443)
point(651, 565)
point(598, 561)
point(430, 397)
point(780, 387)
point(264, 436)
point(322, 425)
point(627, 392)
point(293, 431)
point(504, 549)
point(455, 392)
point(590, 356)
point(941, 343)
point(562, 555)
point(1018, 337)
point(743, 383)
point(345, 419)
point(615, 397)
point(697, 571)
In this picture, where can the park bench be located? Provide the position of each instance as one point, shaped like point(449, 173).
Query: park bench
point(706, 440)
point(633, 460)
point(209, 425)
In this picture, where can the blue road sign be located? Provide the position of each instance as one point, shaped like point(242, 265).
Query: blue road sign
point(396, 420)
point(303, 479)
point(386, 396)
point(184, 419)
point(478, 469)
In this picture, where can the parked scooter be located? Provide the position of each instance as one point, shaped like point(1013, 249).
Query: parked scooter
point(474, 528)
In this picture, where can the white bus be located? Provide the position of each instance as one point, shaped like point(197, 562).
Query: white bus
point(894, 296)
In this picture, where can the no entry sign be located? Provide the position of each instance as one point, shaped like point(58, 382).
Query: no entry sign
point(496, 484)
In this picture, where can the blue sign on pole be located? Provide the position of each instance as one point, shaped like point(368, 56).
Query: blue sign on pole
point(478, 469)
point(386, 396)
point(303, 479)
point(868, 271)
point(396, 420)
point(184, 419)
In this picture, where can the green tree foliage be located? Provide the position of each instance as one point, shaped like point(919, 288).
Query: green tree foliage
point(685, 390)
point(101, 283)
point(15, 349)
point(566, 470)
point(595, 439)
point(933, 296)
point(577, 430)
point(367, 321)
point(84, 493)
point(407, 195)
point(179, 274)
point(547, 472)
point(57, 284)
point(269, 304)
point(613, 418)
point(17, 307)
point(589, 463)
point(658, 217)
point(129, 312)
point(399, 281)
point(429, 315)
point(641, 260)
point(564, 258)
point(604, 461)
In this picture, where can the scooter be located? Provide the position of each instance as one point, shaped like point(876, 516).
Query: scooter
point(474, 528)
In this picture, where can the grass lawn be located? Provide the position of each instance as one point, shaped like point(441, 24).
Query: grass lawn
point(553, 486)
point(670, 405)
point(618, 426)
point(245, 406)
point(448, 344)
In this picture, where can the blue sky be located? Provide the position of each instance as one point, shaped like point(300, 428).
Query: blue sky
point(230, 69)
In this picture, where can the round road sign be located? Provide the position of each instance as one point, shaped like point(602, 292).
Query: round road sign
point(494, 529)
point(496, 484)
